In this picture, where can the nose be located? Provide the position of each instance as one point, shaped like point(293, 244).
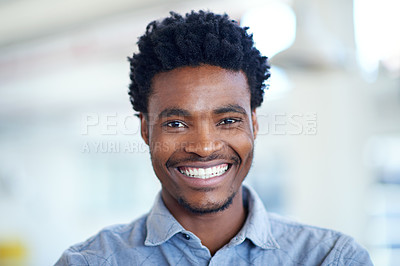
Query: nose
point(204, 142)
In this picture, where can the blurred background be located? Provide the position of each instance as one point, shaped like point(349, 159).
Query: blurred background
point(72, 160)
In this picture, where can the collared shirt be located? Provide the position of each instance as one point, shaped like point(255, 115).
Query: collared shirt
point(265, 239)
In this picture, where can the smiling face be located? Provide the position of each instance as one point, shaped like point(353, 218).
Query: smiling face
point(200, 130)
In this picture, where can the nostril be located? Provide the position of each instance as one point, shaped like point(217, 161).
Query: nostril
point(203, 148)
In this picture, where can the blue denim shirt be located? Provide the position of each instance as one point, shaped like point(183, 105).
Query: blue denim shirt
point(265, 239)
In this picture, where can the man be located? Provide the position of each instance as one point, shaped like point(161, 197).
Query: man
point(196, 83)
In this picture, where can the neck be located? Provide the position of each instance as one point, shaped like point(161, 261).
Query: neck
point(214, 229)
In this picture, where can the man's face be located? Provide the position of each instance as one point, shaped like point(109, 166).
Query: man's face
point(200, 130)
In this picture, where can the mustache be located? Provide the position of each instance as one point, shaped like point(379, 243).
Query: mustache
point(172, 162)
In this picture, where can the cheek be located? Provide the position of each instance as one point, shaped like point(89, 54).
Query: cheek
point(246, 154)
point(243, 144)
point(159, 153)
point(161, 148)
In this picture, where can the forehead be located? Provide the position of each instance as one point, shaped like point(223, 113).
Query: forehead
point(199, 89)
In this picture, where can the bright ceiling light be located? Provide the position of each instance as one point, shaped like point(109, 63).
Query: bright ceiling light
point(376, 34)
point(273, 26)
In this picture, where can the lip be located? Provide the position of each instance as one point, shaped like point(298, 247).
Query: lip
point(203, 183)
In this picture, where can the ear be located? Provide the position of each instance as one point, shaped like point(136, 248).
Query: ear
point(144, 128)
point(255, 122)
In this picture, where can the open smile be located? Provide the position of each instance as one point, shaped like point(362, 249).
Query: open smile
point(204, 173)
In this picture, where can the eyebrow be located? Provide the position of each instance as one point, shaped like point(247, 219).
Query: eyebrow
point(173, 112)
point(230, 108)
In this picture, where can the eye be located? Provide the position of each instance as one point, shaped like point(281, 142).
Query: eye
point(175, 124)
point(228, 121)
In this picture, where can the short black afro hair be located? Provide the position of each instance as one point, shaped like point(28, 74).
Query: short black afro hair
point(198, 38)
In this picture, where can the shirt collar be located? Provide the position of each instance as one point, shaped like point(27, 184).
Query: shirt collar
point(257, 227)
point(161, 225)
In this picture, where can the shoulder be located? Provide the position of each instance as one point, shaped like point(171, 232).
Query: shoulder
point(312, 244)
point(101, 247)
point(284, 229)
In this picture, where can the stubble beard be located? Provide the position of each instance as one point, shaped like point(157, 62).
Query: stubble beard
point(207, 208)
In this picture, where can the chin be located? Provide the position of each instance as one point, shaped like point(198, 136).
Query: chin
point(207, 208)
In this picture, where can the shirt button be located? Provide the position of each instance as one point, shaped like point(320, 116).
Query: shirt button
point(186, 236)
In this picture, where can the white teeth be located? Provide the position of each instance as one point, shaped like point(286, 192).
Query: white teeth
point(204, 173)
point(208, 171)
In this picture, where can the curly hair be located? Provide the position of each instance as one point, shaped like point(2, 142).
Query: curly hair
point(198, 38)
